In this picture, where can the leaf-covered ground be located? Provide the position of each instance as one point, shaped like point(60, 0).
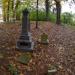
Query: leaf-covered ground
point(59, 52)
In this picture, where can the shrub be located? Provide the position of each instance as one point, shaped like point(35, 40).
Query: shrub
point(41, 16)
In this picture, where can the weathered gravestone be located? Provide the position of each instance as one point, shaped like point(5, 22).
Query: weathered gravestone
point(25, 41)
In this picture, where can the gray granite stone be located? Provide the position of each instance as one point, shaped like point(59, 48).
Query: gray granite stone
point(25, 40)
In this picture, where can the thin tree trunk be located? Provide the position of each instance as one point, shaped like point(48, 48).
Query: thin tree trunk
point(16, 7)
point(4, 15)
point(4, 9)
point(37, 15)
point(58, 14)
point(8, 11)
point(13, 9)
point(47, 9)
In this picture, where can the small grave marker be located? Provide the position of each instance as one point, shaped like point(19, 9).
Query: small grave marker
point(52, 70)
point(24, 58)
point(44, 39)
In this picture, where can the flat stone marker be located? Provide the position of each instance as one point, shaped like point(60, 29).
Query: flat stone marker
point(25, 41)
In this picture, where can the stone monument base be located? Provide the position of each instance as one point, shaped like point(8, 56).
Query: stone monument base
point(25, 42)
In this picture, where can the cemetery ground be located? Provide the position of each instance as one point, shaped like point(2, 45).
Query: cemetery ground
point(59, 53)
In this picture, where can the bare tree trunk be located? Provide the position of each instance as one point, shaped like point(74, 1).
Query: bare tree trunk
point(47, 9)
point(4, 15)
point(4, 10)
point(37, 15)
point(7, 18)
point(13, 9)
point(58, 14)
point(16, 7)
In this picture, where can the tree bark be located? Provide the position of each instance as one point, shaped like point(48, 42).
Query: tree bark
point(12, 7)
point(16, 7)
point(47, 9)
point(4, 10)
point(8, 11)
point(4, 15)
point(58, 13)
point(37, 15)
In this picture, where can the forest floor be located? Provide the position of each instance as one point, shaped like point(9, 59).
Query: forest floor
point(59, 52)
